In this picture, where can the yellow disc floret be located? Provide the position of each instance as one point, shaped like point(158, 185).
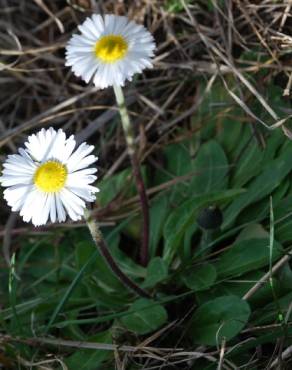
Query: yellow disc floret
point(111, 48)
point(50, 176)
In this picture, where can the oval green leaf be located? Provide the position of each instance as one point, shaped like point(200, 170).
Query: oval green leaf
point(200, 277)
point(144, 316)
point(223, 317)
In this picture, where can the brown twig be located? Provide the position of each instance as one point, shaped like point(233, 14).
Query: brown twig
point(130, 139)
point(103, 248)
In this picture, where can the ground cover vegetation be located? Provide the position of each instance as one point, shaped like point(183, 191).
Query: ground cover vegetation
point(213, 139)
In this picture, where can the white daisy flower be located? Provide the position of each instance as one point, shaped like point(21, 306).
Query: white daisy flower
point(110, 50)
point(48, 178)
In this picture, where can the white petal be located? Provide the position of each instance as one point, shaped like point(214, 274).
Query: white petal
point(53, 209)
point(83, 163)
point(39, 213)
point(69, 147)
point(60, 209)
point(16, 195)
point(75, 180)
point(9, 180)
point(83, 193)
point(45, 212)
point(78, 155)
point(74, 210)
point(89, 29)
point(30, 206)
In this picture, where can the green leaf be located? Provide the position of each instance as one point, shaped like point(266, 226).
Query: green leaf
point(248, 165)
point(261, 209)
point(83, 251)
point(274, 144)
point(90, 359)
point(178, 158)
point(283, 232)
point(261, 186)
point(174, 6)
point(270, 313)
point(252, 231)
point(187, 253)
point(200, 278)
point(182, 217)
point(246, 255)
point(277, 101)
point(101, 295)
point(214, 100)
point(283, 224)
point(144, 316)
point(156, 272)
point(104, 275)
point(112, 186)
point(158, 214)
point(45, 259)
point(230, 131)
point(127, 264)
point(239, 288)
point(284, 207)
point(285, 277)
point(178, 163)
point(211, 169)
point(223, 317)
point(69, 291)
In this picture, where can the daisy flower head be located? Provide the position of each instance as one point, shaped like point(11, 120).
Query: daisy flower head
point(109, 50)
point(48, 179)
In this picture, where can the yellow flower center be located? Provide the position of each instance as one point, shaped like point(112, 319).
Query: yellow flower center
point(50, 176)
point(111, 48)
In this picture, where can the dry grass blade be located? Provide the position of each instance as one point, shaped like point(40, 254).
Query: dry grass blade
point(47, 10)
point(266, 276)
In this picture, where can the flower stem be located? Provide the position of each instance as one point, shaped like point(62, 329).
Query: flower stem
point(129, 136)
point(104, 251)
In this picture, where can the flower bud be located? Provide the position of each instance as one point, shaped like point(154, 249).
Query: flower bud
point(210, 218)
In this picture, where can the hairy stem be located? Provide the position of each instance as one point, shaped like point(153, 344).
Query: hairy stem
point(103, 249)
point(129, 136)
